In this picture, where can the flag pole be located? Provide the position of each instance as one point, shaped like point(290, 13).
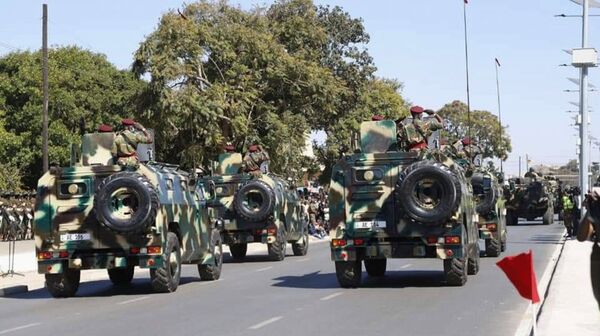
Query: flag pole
point(534, 315)
point(467, 75)
point(497, 64)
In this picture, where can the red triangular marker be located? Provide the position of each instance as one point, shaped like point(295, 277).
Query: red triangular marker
point(519, 270)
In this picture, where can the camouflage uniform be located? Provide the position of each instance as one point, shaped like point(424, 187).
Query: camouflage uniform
point(415, 134)
point(125, 145)
point(253, 160)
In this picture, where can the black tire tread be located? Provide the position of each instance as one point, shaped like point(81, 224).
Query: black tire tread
point(455, 272)
point(493, 247)
point(160, 277)
point(349, 273)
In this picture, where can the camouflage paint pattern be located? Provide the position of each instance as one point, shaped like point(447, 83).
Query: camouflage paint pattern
point(287, 213)
point(182, 210)
point(521, 202)
point(362, 190)
point(497, 215)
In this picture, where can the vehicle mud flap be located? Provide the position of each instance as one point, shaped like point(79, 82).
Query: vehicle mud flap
point(121, 276)
point(63, 284)
point(375, 267)
point(238, 251)
point(349, 273)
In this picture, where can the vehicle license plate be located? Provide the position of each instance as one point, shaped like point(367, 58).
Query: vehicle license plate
point(370, 224)
point(75, 236)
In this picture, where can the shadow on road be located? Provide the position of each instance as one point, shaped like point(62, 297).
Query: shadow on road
point(104, 288)
point(392, 279)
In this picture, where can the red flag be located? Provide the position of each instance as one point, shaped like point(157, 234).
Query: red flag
point(519, 270)
point(497, 62)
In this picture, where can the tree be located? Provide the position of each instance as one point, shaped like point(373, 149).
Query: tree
point(484, 128)
point(85, 90)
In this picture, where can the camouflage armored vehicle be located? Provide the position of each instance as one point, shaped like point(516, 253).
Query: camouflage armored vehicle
point(492, 212)
point(529, 198)
point(264, 209)
point(96, 215)
point(386, 203)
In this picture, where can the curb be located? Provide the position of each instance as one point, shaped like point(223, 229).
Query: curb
point(7, 291)
point(526, 326)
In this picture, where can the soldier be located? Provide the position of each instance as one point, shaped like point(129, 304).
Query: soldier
point(229, 148)
point(254, 159)
point(532, 173)
point(567, 208)
point(590, 229)
point(418, 131)
point(125, 144)
point(104, 128)
point(377, 117)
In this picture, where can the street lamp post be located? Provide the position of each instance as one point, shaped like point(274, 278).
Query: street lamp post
point(497, 65)
point(583, 128)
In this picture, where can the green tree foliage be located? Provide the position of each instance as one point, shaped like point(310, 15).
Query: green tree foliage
point(221, 74)
point(85, 91)
point(485, 129)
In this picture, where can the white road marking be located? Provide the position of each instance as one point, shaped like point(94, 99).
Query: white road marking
point(264, 269)
point(134, 300)
point(329, 297)
point(264, 323)
point(303, 259)
point(19, 328)
point(406, 266)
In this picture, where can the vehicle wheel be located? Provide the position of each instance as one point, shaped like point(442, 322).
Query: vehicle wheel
point(254, 201)
point(428, 192)
point(548, 216)
point(63, 285)
point(300, 247)
point(213, 271)
point(121, 276)
point(126, 202)
point(277, 249)
point(348, 273)
point(473, 261)
point(238, 251)
point(455, 270)
point(493, 247)
point(166, 277)
point(375, 267)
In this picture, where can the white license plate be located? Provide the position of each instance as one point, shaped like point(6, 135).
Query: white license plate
point(370, 224)
point(75, 236)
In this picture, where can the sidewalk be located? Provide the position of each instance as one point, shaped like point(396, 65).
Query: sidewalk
point(26, 264)
point(570, 307)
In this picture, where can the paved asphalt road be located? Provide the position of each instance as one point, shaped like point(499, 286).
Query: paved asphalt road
point(299, 296)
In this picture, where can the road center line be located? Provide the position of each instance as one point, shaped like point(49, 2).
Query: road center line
point(331, 296)
point(19, 328)
point(264, 323)
point(133, 300)
point(406, 266)
point(264, 269)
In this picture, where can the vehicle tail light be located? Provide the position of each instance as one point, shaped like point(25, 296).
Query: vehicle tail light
point(359, 241)
point(150, 262)
point(260, 231)
point(431, 240)
point(452, 240)
point(63, 254)
point(492, 227)
point(154, 250)
point(271, 231)
point(449, 253)
point(338, 242)
point(134, 250)
point(44, 255)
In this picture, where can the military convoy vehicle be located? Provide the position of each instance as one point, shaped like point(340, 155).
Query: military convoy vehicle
point(492, 212)
point(256, 209)
point(97, 215)
point(387, 203)
point(529, 198)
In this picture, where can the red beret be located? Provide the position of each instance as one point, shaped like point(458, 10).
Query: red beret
point(443, 142)
point(128, 122)
point(105, 128)
point(377, 117)
point(416, 109)
point(466, 141)
point(253, 148)
point(230, 148)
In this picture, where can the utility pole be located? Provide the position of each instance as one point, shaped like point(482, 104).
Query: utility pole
point(45, 87)
point(497, 64)
point(467, 75)
point(526, 163)
point(583, 108)
point(519, 165)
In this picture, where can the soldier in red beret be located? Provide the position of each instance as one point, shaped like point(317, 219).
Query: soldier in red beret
point(104, 128)
point(124, 148)
point(377, 117)
point(416, 133)
point(229, 148)
point(256, 160)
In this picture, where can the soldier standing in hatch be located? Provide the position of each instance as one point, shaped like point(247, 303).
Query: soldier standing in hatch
point(104, 128)
point(532, 173)
point(418, 131)
point(124, 148)
point(254, 159)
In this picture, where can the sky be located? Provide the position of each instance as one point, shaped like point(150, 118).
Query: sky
point(420, 43)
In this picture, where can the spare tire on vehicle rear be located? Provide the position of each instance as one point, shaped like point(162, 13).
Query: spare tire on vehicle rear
point(126, 202)
point(254, 201)
point(486, 198)
point(428, 192)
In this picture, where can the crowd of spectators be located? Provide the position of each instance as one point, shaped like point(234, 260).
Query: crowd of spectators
point(316, 211)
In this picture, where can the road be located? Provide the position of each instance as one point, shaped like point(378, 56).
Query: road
point(298, 296)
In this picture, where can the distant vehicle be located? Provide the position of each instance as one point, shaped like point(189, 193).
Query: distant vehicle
point(385, 203)
point(529, 198)
point(492, 212)
point(96, 215)
point(263, 209)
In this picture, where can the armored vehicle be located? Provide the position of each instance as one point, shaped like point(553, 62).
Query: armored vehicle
point(97, 215)
point(256, 209)
point(529, 198)
point(387, 203)
point(492, 212)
